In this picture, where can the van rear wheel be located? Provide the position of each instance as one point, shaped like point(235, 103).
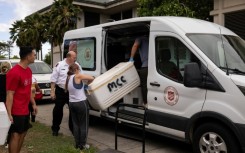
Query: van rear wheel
point(214, 138)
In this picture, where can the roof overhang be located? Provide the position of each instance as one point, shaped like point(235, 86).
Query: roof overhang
point(105, 8)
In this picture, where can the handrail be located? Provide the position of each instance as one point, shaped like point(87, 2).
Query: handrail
point(142, 124)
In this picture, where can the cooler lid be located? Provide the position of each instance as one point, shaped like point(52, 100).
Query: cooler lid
point(110, 75)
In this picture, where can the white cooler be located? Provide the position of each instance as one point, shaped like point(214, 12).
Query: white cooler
point(4, 123)
point(111, 86)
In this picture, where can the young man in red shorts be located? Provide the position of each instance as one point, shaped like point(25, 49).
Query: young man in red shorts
point(18, 86)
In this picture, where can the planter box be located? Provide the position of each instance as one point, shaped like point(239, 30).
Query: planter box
point(4, 123)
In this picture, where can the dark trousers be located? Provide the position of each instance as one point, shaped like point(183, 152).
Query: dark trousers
point(80, 120)
point(62, 98)
point(143, 73)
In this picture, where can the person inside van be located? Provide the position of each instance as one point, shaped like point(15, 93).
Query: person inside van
point(73, 46)
point(141, 44)
point(168, 67)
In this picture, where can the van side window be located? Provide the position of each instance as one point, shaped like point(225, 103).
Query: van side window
point(85, 49)
point(171, 57)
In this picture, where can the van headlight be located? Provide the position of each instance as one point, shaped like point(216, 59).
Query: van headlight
point(242, 89)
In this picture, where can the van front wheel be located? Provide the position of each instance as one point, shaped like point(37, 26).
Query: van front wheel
point(212, 138)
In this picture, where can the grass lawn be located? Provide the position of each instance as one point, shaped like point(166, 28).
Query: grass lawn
point(40, 140)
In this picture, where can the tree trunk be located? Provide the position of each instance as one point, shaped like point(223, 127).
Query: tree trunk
point(60, 52)
point(52, 54)
point(41, 49)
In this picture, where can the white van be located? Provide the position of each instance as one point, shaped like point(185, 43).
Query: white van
point(42, 73)
point(205, 105)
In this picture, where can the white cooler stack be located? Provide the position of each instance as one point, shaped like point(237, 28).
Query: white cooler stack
point(4, 123)
point(111, 86)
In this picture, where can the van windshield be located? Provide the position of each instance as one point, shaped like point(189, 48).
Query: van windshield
point(227, 52)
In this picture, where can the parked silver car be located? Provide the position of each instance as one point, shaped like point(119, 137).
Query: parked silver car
point(41, 72)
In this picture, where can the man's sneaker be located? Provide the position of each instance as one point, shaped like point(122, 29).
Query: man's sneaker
point(86, 146)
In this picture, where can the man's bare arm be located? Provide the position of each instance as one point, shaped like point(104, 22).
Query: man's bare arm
point(134, 49)
point(9, 103)
point(53, 96)
point(34, 106)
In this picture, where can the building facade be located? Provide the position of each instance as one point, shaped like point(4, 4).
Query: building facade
point(231, 14)
point(228, 13)
point(97, 12)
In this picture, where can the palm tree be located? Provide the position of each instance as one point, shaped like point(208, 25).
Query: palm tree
point(16, 32)
point(63, 16)
point(10, 44)
point(48, 33)
point(3, 49)
point(35, 31)
point(51, 26)
point(28, 32)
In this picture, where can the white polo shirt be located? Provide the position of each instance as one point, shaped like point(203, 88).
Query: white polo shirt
point(59, 73)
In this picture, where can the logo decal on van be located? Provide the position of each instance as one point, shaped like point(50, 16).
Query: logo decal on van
point(118, 83)
point(87, 54)
point(171, 95)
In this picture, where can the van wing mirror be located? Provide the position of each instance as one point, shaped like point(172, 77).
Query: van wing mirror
point(192, 75)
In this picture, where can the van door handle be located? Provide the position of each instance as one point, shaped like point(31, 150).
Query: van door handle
point(155, 84)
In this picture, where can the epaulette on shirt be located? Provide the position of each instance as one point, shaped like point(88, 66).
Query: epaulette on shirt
point(57, 63)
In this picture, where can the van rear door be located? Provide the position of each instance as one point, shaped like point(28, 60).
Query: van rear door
point(87, 42)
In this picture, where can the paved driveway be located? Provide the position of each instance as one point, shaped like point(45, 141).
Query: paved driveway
point(101, 135)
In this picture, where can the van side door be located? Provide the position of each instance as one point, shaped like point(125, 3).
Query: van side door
point(170, 103)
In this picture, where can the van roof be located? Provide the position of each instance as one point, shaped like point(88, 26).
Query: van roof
point(171, 23)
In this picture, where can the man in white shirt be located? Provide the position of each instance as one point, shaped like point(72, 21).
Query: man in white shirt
point(58, 94)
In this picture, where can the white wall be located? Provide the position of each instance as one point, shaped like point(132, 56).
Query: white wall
point(80, 23)
point(56, 55)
